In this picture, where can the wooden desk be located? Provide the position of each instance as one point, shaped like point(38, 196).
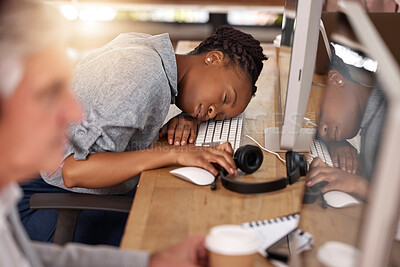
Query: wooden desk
point(330, 224)
point(167, 209)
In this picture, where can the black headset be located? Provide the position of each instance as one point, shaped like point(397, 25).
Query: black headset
point(249, 159)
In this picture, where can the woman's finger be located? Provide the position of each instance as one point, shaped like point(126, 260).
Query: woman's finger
point(185, 135)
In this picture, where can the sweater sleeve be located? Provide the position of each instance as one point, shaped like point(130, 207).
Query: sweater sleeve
point(74, 254)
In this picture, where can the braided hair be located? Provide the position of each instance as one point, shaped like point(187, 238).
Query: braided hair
point(241, 48)
point(336, 63)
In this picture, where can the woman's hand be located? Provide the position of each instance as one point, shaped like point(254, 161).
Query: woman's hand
point(344, 156)
point(208, 158)
point(181, 129)
point(337, 179)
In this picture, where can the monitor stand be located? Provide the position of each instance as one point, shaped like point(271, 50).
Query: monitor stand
point(303, 142)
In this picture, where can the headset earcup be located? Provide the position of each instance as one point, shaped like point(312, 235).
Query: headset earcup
point(296, 166)
point(303, 165)
point(248, 158)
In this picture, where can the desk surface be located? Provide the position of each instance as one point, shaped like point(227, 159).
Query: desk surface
point(167, 209)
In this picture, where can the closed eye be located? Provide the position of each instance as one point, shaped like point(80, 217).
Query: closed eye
point(52, 93)
point(225, 98)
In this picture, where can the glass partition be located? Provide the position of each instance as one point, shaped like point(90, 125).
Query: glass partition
point(352, 126)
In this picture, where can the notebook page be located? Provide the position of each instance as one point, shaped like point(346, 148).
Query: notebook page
point(270, 231)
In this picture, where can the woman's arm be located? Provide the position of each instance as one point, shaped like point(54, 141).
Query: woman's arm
point(104, 169)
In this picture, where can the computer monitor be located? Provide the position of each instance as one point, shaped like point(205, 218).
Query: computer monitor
point(297, 54)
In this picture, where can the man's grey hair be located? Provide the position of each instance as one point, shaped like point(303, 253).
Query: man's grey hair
point(26, 27)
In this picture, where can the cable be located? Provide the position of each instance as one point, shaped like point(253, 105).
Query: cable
point(318, 84)
point(265, 149)
point(308, 121)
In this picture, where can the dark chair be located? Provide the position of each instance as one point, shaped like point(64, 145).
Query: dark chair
point(69, 206)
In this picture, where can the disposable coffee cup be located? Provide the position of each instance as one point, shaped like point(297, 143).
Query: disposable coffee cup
point(231, 246)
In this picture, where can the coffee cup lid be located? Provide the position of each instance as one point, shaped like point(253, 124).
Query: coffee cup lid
point(232, 240)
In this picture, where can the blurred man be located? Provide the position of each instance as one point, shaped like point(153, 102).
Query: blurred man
point(36, 107)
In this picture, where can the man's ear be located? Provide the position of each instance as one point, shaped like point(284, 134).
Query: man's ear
point(214, 57)
point(334, 77)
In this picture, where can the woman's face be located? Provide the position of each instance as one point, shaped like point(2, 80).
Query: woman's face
point(214, 90)
point(340, 112)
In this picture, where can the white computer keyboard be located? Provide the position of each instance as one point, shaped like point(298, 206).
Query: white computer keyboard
point(213, 132)
point(319, 149)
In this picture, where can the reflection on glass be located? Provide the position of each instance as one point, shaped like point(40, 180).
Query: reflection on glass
point(350, 125)
point(352, 103)
point(353, 107)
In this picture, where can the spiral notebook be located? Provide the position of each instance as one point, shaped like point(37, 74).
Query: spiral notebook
point(271, 231)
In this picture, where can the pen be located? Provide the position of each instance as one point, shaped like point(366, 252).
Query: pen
point(324, 205)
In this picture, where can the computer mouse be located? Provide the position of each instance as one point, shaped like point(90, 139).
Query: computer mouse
point(194, 175)
point(339, 199)
point(334, 253)
point(317, 187)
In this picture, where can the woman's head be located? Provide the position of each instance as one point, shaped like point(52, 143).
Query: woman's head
point(343, 103)
point(221, 79)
